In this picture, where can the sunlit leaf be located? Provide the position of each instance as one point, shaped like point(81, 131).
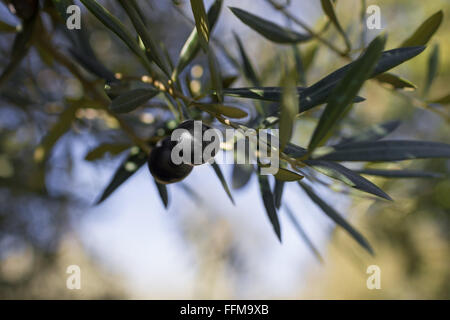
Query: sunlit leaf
point(345, 91)
point(400, 173)
point(336, 217)
point(425, 31)
point(269, 204)
point(192, 45)
point(386, 150)
point(328, 8)
point(130, 100)
point(151, 47)
point(216, 75)
point(228, 111)
point(287, 175)
point(201, 22)
point(349, 177)
point(289, 109)
point(393, 81)
point(219, 175)
point(269, 30)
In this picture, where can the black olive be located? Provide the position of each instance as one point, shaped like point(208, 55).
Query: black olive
point(197, 141)
point(162, 167)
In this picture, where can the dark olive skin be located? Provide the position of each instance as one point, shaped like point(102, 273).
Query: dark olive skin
point(190, 138)
point(161, 166)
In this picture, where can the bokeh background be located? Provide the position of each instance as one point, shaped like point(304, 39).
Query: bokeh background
point(203, 246)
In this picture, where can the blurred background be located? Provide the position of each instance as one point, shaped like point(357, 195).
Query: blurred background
point(203, 247)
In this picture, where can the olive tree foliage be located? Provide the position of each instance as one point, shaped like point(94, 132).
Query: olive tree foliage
point(165, 86)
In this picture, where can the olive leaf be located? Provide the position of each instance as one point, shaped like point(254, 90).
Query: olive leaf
point(269, 203)
point(151, 47)
point(132, 99)
point(328, 8)
point(163, 194)
point(7, 28)
point(395, 82)
point(349, 177)
point(269, 30)
point(248, 69)
point(219, 175)
point(385, 150)
point(289, 108)
point(345, 91)
point(374, 133)
point(442, 100)
point(192, 45)
point(113, 24)
point(201, 22)
point(135, 160)
point(433, 63)
point(287, 175)
point(100, 151)
point(336, 217)
point(295, 221)
point(216, 75)
point(425, 31)
point(399, 173)
point(278, 192)
point(241, 175)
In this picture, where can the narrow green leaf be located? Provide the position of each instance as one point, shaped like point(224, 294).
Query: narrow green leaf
point(287, 175)
point(20, 48)
point(269, 30)
point(400, 173)
point(308, 56)
point(302, 233)
point(163, 194)
point(216, 75)
point(7, 28)
point(100, 151)
point(423, 34)
point(319, 92)
point(241, 175)
point(301, 75)
point(136, 159)
point(269, 204)
point(228, 111)
point(192, 45)
point(249, 71)
point(151, 47)
point(289, 108)
point(61, 127)
point(393, 81)
point(336, 217)
point(347, 176)
point(278, 192)
point(201, 22)
point(386, 150)
point(130, 100)
point(442, 100)
point(219, 175)
point(328, 8)
point(345, 91)
point(433, 63)
point(375, 132)
point(113, 24)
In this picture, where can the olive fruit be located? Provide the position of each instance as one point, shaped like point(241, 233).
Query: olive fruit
point(162, 167)
point(190, 135)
